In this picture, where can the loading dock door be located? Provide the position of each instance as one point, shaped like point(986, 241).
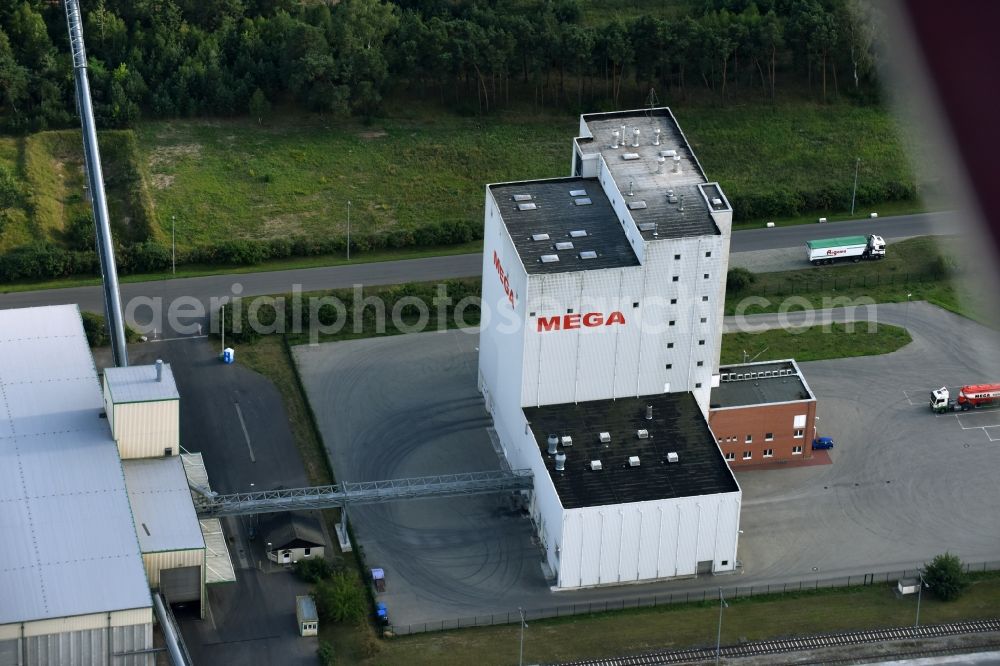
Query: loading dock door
point(180, 585)
point(705, 567)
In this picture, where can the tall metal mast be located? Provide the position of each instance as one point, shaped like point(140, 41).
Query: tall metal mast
point(95, 178)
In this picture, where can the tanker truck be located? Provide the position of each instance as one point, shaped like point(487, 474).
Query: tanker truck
point(855, 248)
point(973, 396)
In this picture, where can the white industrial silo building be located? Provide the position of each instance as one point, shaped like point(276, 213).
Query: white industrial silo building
point(603, 299)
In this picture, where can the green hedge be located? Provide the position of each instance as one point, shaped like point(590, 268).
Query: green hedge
point(45, 261)
point(789, 203)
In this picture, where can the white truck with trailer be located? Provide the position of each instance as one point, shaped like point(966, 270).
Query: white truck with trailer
point(855, 248)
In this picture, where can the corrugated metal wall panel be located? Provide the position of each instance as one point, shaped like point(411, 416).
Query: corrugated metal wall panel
point(666, 564)
point(628, 565)
point(10, 652)
point(156, 562)
point(649, 542)
point(85, 648)
point(590, 547)
point(61, 625)
point(611, 543)
point(145, 429)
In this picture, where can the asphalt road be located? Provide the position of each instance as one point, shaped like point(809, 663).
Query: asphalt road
point(252, 621)
point(147, 303)
point(904, 485)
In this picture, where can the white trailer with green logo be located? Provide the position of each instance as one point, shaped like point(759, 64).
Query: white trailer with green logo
point(855, 248)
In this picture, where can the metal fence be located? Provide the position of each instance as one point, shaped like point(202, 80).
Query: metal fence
point(708, 594)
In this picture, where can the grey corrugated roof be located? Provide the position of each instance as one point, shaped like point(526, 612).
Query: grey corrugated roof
point(161, 505)
point(67, 543)
point(137, 383)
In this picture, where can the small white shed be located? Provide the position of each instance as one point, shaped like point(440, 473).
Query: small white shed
point(908, 585)
point(305, 613)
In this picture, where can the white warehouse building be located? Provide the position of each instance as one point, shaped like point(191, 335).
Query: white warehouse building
point(95, 504)
point(603, 299)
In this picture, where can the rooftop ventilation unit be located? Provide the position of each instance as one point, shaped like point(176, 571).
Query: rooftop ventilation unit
point(672, 457)
point(660, 161)
point(578, 193)
point(583, 201)
point(642, 434)
point(577, 233)
point(588, 254)
point(615, 136)
point(636, 205)
point(716, 201)
point(649, 412)
point(656, 136)
point(549, 258)
point(564, 245)
point(633, 461)
point(522, 197)
point(553, 443)
point(567, 440)
point(671, 197)
point(605, 437)
point(596, 466)
point(647, 226)
point(635, 138)
point(560, 461)
point(668, 153)
point(677, 163)
point(527, 206)
point(539, 237)
point(628, 157)
point(159, 370)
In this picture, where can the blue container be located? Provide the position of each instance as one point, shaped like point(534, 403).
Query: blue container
point(228, 355)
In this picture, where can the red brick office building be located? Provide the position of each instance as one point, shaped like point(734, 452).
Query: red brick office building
point(763, 413)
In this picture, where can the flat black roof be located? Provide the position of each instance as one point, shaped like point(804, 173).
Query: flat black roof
point(759, 384)
point(677, 426)
point(668, 204)
point(557, 214)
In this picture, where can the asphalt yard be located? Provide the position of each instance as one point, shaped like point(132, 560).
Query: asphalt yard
point(904, 484)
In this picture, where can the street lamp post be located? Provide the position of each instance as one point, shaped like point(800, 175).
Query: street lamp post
point(348, 229)
point(718, 637)
point(906, 315)
point(854, 193)
point(920, 592)
point(520, 658)
point(173, 245)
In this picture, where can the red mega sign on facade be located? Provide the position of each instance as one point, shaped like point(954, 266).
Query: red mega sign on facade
point(586, 320)
point(504, 280)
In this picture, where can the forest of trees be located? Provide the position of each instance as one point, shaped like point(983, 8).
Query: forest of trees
point(169, 58)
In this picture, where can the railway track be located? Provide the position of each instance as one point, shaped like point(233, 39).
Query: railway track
point(758, 648)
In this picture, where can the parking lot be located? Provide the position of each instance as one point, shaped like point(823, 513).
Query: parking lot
point(904, 485)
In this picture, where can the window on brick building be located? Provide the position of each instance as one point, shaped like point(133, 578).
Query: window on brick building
point(768, 453)
point(747, 455)
point(749, 439)
point(799, 433)
point(731, 455)
point(768, 436)
point(796, 450)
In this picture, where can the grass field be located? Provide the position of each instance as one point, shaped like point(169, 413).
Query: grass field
point(235, 178)
point(671, 627)
point(49, 168)
point(815, 343)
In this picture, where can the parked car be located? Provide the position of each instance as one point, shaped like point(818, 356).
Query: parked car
point(823, 443)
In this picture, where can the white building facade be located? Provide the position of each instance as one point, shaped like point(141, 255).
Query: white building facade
point(610, 285)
